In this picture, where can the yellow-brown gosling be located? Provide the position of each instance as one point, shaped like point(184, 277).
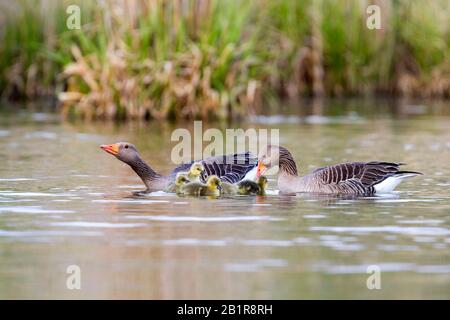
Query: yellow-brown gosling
point(248, 187)
point(193, 175)
point(195, 172)
point(181, 179)
point(211, 188)
point(262, 184)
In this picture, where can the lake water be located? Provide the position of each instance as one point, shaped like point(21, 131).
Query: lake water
point(63, 202)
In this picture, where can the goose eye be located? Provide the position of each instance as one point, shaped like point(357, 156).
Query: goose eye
point(126, 146)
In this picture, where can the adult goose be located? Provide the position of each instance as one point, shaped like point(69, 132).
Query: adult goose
point(353, 178)
point(229, 168)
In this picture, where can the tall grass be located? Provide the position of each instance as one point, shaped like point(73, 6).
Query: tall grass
point(166, 62)
point(211, 58)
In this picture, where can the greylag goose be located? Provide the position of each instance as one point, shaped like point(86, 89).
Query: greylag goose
point(353, 178)
point(211, 188)
point(229, 168)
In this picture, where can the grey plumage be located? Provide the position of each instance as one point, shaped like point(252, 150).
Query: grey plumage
point(229, 168)
point(356, 178)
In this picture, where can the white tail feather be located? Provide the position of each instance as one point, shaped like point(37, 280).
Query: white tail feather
point(389, 184)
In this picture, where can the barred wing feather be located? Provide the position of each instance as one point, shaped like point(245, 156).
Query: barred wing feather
point(229, 168)
point(356, 177)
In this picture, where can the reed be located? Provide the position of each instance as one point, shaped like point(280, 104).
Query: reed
point(218, 59)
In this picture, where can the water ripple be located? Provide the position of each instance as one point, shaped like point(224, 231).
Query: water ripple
point(131, 201)
point(34, 194)
point(48, 233)
point(255, 265)
point(31, 209)
point(391, 229)
point(86, 224)
point(205, 219)
point(384, 267)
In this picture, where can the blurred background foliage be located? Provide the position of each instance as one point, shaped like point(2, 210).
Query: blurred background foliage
point(185, 59)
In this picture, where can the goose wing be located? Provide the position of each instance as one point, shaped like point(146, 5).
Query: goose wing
point(229, 168)
point(356, 177)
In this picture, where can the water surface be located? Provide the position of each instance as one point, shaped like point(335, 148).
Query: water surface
point(65, 202)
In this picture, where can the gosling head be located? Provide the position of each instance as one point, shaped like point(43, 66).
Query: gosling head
point(196, 169)
point(262, 182)
point(123, 151)
point(214, 182)
point(181, 179)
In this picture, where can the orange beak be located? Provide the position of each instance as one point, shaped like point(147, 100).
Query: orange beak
point(111, 148)
point(261, 169)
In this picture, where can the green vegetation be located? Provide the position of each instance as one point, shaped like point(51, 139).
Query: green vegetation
point(210, 58)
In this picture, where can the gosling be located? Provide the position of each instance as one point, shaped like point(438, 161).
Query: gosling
point(246, 187)
point(195, 172)
point(193, 175)
point(181, 179)
point(211, 188)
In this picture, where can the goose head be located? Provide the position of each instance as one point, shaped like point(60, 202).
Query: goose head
point(267, 159)
point(273, 156)
point(123, 151)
